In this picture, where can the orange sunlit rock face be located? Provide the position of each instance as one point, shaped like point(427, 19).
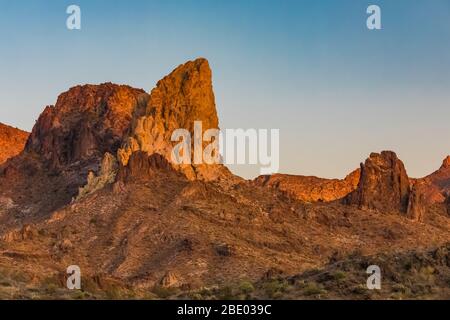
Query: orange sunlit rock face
point(311, 189)
point(12, 141)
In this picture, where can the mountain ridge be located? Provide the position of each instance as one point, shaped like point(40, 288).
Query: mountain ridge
point(94, 186)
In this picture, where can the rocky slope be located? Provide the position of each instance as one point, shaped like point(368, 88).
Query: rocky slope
point(95, 186)
point(67, 142)
point(12, 141)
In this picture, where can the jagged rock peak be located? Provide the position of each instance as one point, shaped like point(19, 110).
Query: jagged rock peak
point(446, 163)
point(87, 121)
point(383, 185)
point(178, 100)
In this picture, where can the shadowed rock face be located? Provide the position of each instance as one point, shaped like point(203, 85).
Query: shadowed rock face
point(417, 205)
point(86, 122)
point(384, 184)
point(141, 166)
point(447, 204)
point(12, 141)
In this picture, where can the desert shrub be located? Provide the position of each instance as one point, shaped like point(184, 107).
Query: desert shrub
point(18, 276)
point(359, 289)
point(246, 287)
point(80, 295)
point(313, 289)
point(428, 270)
point(426, 274)
point(400, 288)
point(339, 275)
point(163, 292)
point(113, 293)
point(51, 288)
point(50, 285)
point(196, 296)
point(274, 287)
point(226, 293)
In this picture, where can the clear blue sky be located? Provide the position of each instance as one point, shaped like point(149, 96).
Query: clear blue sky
point(336, 90)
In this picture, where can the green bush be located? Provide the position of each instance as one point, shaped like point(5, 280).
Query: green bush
point(272, 288)
point(246, 287)
point(226, 293)
point(313, 289)
point(339, 275)
point(163, 292)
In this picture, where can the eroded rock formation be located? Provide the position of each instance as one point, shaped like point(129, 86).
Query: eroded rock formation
point(142, 166)
point(86, 122)
point(416, 204)
point(383, 185)
point(107, 175)
point(179, 99)
point(311, 189)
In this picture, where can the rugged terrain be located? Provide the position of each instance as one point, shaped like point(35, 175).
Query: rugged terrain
point(94, 186)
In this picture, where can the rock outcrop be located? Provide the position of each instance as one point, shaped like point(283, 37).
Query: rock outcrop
point(142, 166)
point(179, 99)
point(417, 205)
point(169, 280)
point(86, 122)
point(383, 185)
point(311, 189)
point(436, 185)
point(107, 175)
point(12, 142)
point(447, 204)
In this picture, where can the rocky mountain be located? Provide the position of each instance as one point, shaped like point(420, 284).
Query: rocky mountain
point(95, 186)
point(86, 122)
point(67, 142)
point(12, 141)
